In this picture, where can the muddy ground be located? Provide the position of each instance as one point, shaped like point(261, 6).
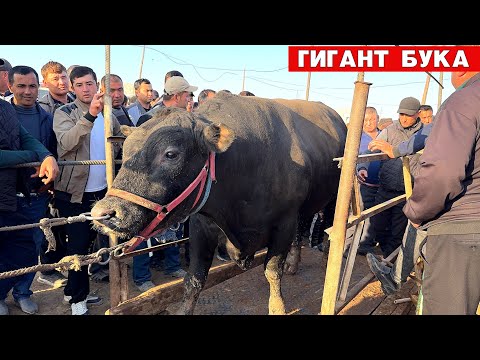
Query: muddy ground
point(247, 293)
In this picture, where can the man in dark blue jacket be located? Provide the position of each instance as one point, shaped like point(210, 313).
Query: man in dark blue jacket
point(17, 146)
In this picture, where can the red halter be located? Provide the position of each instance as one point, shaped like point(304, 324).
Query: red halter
point(164, 210)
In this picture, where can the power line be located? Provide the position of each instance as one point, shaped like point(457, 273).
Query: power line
point(265, 81)
point(183, 62)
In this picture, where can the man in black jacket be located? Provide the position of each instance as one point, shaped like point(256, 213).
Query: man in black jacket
point(24, 84)
point(446, 201)
point(17, 146)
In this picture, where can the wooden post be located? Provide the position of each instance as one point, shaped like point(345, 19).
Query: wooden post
point(352, 253)
point(407, 178)
point(337, 236)
point(425, 89)
point(440, 89)
point(114, 269)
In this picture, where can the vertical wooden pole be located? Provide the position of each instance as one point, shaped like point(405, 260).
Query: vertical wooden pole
point(407, 178)
point(337, 236)
point(114, 269)
point(440, 91)
point(352, 253)
point(425, 89)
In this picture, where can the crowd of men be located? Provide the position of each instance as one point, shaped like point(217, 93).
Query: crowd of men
point(67, 124)
point(440, 221)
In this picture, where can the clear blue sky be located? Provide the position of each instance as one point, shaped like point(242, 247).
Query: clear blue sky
point(222, 67)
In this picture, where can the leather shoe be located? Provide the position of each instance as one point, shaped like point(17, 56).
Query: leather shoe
point(383, 274)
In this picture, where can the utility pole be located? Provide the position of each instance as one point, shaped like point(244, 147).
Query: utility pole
point(141, 62)
point(243, 82)
point(425, 89)
point(308, 85)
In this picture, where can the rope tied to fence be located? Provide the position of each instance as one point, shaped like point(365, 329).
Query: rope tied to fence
point(46, 227)
point(71, 262)
point(46, 224)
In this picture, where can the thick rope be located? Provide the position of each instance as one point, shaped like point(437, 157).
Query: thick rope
point(46, 227)
point(46, 222)
point(72, 262)
point(67, 163)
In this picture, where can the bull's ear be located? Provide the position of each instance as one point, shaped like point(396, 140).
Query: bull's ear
point(127, 130)
point(218, 137)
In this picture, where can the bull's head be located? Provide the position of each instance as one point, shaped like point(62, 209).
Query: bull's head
point(160, 159)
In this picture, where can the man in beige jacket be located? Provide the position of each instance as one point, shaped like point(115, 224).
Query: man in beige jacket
point(79, 128)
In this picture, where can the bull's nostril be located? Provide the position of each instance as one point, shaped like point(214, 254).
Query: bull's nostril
point(99, 212)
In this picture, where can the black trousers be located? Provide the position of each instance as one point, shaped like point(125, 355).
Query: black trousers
point(451, 278)
point(80, 238)
point(390, 224)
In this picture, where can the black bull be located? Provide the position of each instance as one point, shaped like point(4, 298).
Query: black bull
point(274, 164)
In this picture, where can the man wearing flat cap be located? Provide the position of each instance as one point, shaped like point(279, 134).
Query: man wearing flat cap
point(5, 67)
point(392, 222)
point(177, 93)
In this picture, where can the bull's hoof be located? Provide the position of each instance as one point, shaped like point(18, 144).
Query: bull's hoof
point(291, 263)
point(184, 310)
point(290, 269)
point(278, 309)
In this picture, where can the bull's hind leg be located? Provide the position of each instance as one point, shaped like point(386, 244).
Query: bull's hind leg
point(293, 259)
point(294, 255)
point(274, 262)
point(203, 234)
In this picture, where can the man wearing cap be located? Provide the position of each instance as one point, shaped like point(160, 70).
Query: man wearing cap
point(391, 182)
point(5, 67)
point(177, 93)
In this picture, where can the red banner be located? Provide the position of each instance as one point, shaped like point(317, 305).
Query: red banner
point(383, 58)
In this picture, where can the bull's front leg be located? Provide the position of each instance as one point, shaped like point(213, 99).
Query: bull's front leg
point(203, 241)
point(277, 252)
point(273, 273)
point(193, 285)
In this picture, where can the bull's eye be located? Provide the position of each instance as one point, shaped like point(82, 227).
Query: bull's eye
point(171, 155)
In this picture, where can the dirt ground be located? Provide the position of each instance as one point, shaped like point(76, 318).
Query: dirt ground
point(50, 300)
point(245, 294)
